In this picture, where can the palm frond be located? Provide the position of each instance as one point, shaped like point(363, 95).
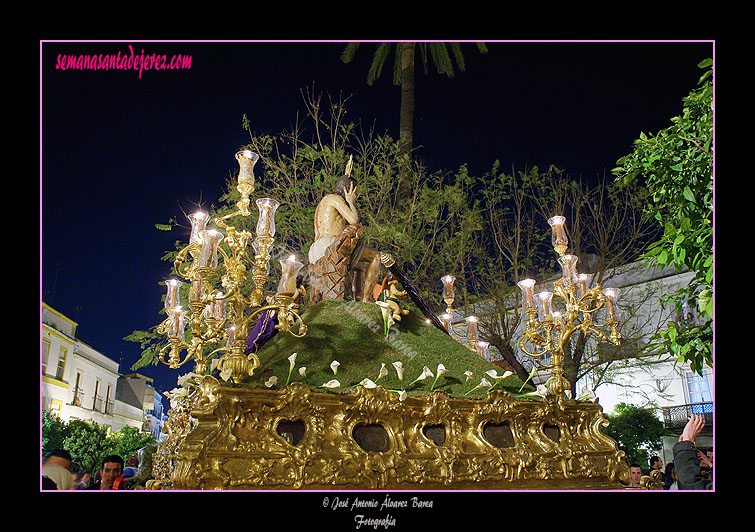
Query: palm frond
point(378, 60)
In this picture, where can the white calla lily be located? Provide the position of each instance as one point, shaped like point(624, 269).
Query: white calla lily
point(185, 379)
point(399, 370)
point(541, 391)
point(402, 395)
point(367, 383)
point(589, 395)
point(332, 384)
point(303, 371)
point(440, 370)
point(334, 366)
point(271, 381)
point(383, 372)
point(226, 374)
point(498, 378)
point(291, 361)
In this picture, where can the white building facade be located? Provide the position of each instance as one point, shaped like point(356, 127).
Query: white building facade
point(79, 382)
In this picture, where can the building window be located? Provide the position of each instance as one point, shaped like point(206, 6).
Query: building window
point(61, 363)
point(77, 392)
point(699, 393)
point(45, 355)
point(108, 405)
point(97, 400)
point(55, 407)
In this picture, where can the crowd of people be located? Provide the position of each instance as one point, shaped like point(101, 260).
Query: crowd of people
point(58, 473)
point(691, 469)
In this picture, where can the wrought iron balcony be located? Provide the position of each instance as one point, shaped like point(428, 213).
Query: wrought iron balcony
point(675, 417)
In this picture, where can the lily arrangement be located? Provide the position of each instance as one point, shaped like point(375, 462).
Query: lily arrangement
point(490, 380)
point(370, 383)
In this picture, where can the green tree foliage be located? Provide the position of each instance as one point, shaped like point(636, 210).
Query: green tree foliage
point(637, 432)
point(88, 442)
point(676, 165)
point(53, 433)
point(129, 440)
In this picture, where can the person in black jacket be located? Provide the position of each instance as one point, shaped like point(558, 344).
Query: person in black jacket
point(686, 463)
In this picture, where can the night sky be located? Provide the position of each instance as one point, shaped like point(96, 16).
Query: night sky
point(119, 153)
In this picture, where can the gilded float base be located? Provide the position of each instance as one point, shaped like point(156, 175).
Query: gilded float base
point(227, 438)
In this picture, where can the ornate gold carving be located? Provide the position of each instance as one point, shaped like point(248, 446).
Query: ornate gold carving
point(653, 481)
point(223, 437)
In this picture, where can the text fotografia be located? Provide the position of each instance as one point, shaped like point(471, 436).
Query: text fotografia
point(125, 61)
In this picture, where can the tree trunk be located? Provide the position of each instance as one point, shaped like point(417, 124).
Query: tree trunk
point(510, 357)
point(406, 119)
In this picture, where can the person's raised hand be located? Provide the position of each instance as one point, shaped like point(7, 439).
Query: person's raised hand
point(693, 428)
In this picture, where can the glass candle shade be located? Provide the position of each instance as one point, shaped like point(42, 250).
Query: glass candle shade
point(448, 286)
point(612, 302)
point(198, 224)
point(583, 283)
point(569, 268)
point(246, 160)
point(482, 349)
point(558, 234)
point(216, 309)
point(445, 318)
point(196, 290)
point(172, 298)
point(544, 300)
point(177, 324)
point(266, 221)
point(208, 255)
point(472, 326)
point(289, 270)
point(527, 286)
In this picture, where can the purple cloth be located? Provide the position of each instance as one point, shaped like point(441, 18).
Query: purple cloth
point(263, 330)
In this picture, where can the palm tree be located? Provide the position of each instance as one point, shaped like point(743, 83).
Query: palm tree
point(442, 55)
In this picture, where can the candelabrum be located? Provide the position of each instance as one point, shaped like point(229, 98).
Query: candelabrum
point(448, 297)
point(225, 316)
point(550, 331)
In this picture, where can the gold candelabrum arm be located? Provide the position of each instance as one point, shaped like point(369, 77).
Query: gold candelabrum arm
point(217, 316)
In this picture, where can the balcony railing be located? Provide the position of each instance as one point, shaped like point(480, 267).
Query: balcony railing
point(676, 417)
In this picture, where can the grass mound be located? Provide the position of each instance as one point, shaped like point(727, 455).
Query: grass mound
point(352, 333)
